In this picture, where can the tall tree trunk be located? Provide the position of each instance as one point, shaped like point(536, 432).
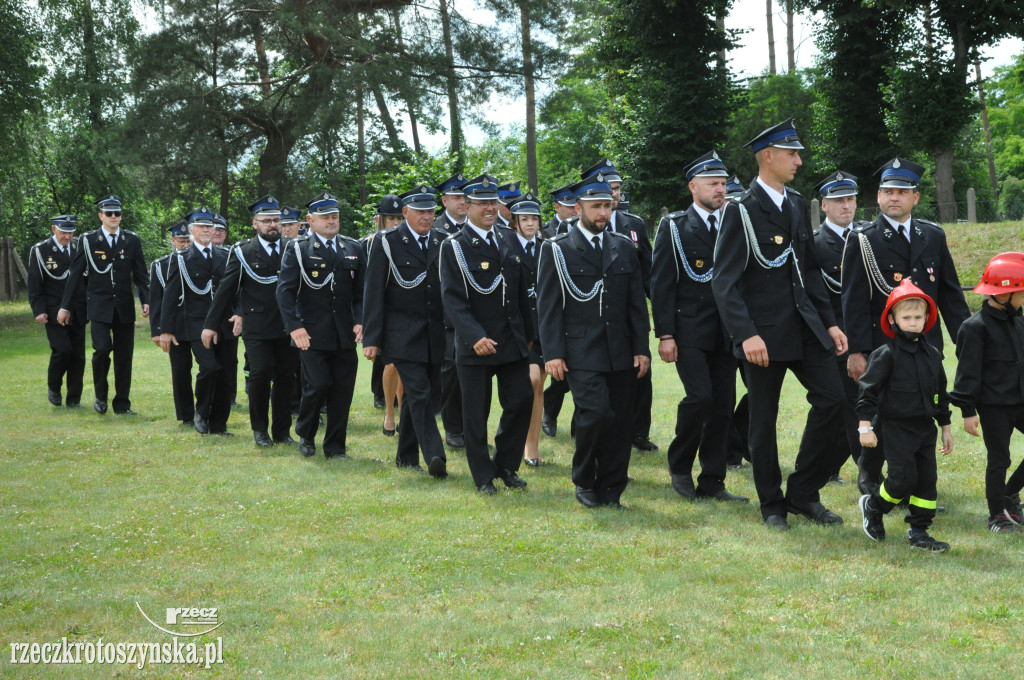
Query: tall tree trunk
point(988, 132)
point(361, 145)
point(790, 45)
point(531, 102)
point(720, 22)
point(386, 119)
point(928, 32)
point(453, 89)
point(771, 39)
point(92, 67)
point(262, 64)
point(944, 193)
point(413, 125)
point(274, 159)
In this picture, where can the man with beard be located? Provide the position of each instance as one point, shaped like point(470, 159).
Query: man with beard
point(878, 257)
point(485, 298)
point(691, 336)
point(192, 278)
point(778, 319)
point(247, 297)
point(594, 331)
point(320, 293)
point(106, 263)
point(404, 318)
point(180, 355)
point(49, 266)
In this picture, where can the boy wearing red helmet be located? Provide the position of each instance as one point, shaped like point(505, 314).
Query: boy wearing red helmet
point(989, 383)
point(902, 390)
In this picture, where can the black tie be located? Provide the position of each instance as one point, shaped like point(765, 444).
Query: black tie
point(423, 243)
point(112, 241)
point(905, 233)
point(206, 254)
point(273, 251)
point(846, 234)
point(490, 239)
point(712, 229)
point(529, 249)
point(597, 245)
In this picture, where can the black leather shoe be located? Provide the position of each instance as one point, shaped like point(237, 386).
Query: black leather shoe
point(615, 505)
point(188, 423)
point(53, 396)
point(487, 489)
point(587, 497)
point(339, 454)
point(532, 462)
point(722, 495)
point(262, 439)
point(777, 522)
point(683, 485)
point(202, 427)
point(417, 467)
point(126, 412)
point(73, 404)
point(307, 447)
point(456, 441)
point(287, 439)
point(387, 432)
point(99, 406)
point(512, 480)
point(816, 512)
point(438, 467)
point(223, 433)
point(836, 479)
point(644, 444)
point(378, 403)
point(549, 426)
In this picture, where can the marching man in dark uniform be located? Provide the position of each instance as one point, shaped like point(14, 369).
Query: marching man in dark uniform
point(635, 229)
point(691, 336)
point(384, 381)
point(192, 278)
point(404, 318)
point(880, 255)
point(320, 293)
point(106, 263)
point(507, 195)
point(49, 266)
point(485, 298)
point(247, 295)
point(451, 221)
point(454, 201)
point(594, 333)
point(839, 203)
point(734, 188)
point(180, 355)
point(778, 317)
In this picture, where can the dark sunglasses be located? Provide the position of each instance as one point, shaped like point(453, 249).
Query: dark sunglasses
point(112, 213)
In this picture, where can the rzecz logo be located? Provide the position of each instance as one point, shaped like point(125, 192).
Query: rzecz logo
point(185, 621)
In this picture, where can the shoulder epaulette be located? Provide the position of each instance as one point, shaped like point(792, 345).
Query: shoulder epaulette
point(40, 244)
point(858, 227)
point(620, 235)
point(676, 215)
point(348, 238)
point(559, 237)
point(243, 242)
point(129, 231)
point(794, 191)
point(931, 224)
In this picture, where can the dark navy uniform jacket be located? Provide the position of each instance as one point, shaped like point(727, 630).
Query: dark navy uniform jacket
point(928, 264)
point(602, 334)
point(112, 289)
point(682, 307)
point(255, 300)
point(329, 312)
point(990, 361)
point(46, 265)
point(182, 310)
point(773, 303)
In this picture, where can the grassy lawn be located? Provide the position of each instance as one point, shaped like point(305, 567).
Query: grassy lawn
point(355, 569)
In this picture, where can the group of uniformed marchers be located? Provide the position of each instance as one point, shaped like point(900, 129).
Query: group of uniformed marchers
point(448, 302)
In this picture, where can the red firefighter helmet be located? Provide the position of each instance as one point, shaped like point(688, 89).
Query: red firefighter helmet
point(905, 291)
point(1004, 273)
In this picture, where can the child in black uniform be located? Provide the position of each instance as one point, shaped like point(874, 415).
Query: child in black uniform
point(990, 383)
point(903, 389)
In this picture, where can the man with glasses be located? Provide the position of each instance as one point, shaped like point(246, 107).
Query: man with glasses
point(320, 293)
point(192, 279)
point(106, 264)
point(247, 297)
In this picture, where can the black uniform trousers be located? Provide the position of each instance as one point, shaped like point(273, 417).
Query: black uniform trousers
point(997, 425)
point(329, 376)
point(119, 338)
point(213, 383)
point(554, 396)
point(417, 429)
point(643, 401)
point(910, 454)
point(451, 392)
point(847, 439)
point(817, 373)
point(603, 432)
point(377, 381)
point(229, 364)
point(515, 394)
point(704, 416)
point(67, 358)
point(739, 448)
point(271, 363)
point(181, 381)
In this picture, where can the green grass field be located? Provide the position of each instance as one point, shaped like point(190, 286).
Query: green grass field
point(355, 569)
